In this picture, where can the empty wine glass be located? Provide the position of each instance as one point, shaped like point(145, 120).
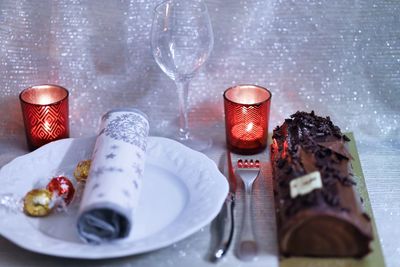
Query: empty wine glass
point(181, 41)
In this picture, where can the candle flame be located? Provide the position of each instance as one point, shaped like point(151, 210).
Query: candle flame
point(47, 126)
point(44, 99)
point(249, 127)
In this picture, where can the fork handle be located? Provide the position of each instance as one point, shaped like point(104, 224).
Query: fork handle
point(247, 249)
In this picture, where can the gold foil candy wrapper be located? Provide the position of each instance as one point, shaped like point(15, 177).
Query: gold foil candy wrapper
point(82, 170)
point(38, 202)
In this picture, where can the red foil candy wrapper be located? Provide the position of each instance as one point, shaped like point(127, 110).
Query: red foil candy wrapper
point(63, 187)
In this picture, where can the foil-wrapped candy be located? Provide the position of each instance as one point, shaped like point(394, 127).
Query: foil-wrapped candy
point(82, 170)
point(38, 202)
point(63, 187)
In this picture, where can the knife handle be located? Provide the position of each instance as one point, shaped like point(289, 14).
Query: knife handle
point(224, 226)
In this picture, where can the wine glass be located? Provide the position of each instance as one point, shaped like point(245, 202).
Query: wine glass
point(181, 41)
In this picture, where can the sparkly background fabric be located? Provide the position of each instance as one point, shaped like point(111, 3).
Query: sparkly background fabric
point(339, 58)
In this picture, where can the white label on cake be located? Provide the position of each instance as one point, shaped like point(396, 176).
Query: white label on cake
point(305, 184)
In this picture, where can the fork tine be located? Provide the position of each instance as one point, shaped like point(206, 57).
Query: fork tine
point(240, 163)
point(248, 163)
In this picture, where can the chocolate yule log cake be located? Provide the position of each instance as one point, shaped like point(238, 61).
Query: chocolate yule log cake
point(318, 211)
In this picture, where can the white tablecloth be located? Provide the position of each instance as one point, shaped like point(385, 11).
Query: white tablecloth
point(339, 58)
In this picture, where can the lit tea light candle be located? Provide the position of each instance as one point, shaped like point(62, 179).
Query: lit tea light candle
point(45, 113)
point(247, 132)
point(246, 118)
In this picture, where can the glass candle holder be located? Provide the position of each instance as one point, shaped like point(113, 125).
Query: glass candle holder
point(45, 114)
point(247, 109)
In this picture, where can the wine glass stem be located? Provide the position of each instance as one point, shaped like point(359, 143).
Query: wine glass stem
point(183, 92)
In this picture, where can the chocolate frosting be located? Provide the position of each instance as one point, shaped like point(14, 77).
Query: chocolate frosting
point(328, 221)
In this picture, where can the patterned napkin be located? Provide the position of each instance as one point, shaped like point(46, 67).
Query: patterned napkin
point(112, 190)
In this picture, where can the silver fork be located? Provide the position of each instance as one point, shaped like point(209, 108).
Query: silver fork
point(248, 171)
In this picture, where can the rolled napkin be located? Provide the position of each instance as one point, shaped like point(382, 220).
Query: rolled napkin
point(112, 190)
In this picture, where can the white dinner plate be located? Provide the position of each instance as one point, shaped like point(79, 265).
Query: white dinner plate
point(182, 192)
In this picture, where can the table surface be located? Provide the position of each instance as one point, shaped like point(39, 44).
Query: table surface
point(339, 58)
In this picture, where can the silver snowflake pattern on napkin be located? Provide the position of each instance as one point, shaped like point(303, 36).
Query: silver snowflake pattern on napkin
point(130, 128)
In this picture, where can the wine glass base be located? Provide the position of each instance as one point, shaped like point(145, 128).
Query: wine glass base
point(196, 143)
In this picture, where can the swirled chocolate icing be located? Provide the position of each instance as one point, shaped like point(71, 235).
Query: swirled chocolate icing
point(328, 221)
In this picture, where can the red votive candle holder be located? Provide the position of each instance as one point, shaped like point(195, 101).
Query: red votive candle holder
point(247, 109)
point(45, 113)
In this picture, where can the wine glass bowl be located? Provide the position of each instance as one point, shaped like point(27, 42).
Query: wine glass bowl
point(181, 41)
